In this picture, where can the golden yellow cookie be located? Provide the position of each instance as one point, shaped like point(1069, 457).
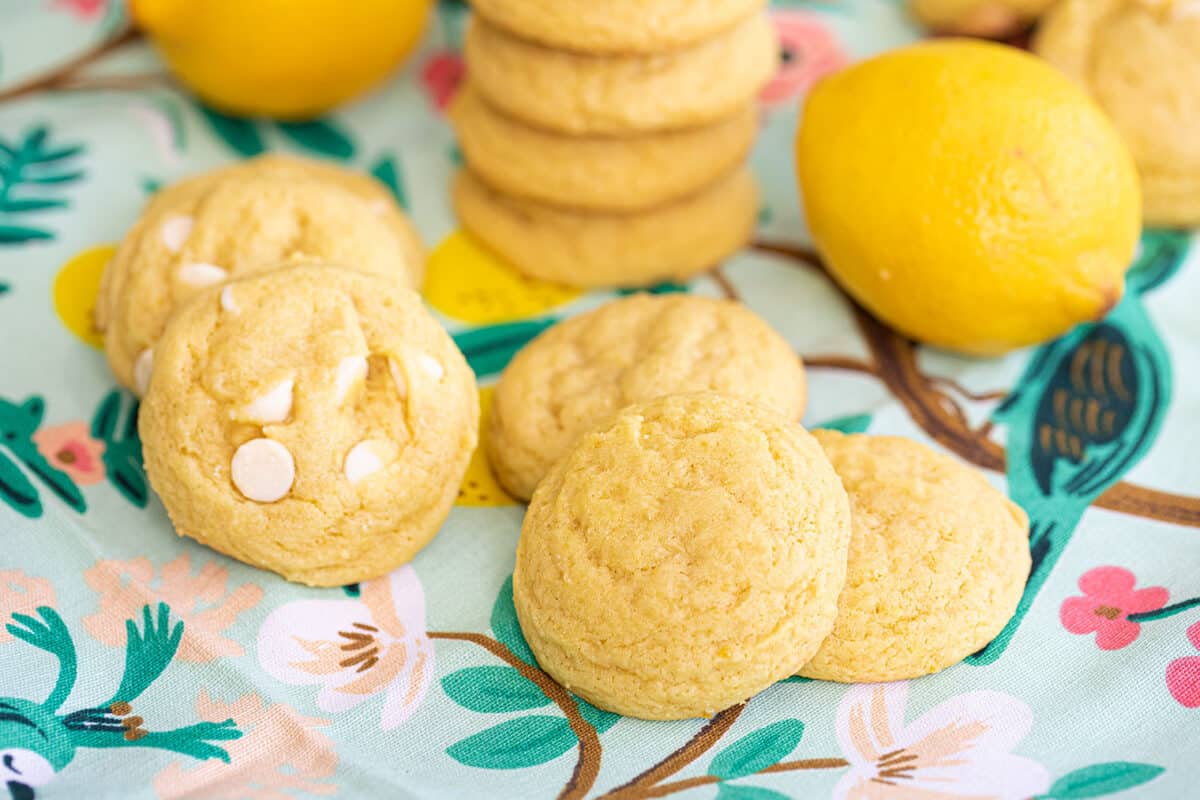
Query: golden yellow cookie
point(1140, 59)
point(583, 94)
point(993, 18)
point(585, 369)
point(938, 561)
point(598, 172)
point(236, 221)
point(684, 555)
point(594, 249)
point(615, 26)
point(314, 421)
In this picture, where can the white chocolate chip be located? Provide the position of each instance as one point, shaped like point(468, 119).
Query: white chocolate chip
point(263, 470)
point(175, 231)
point(350, 370)
point(380, 207)
point(198, 273)
point(227, 300)
point(142, 369)
point(273, 406)
point(398, 378)
point(361, 461)
point(432, 366)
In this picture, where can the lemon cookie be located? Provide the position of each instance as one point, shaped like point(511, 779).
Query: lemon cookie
point(684, 555)
point(629, 351)
point(597, 172)
point(616, 26)
point(584, 94)
point(991, 18)
point(313, 421)
point(578, 248)
point(938, 561)
point(233, 222)
point(1140, 59)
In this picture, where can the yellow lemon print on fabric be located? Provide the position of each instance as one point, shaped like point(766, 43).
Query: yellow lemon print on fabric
point(479, 487)
point(75, 290)
point(465, 281)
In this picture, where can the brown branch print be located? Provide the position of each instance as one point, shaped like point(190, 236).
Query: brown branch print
point(587, 766)
point(66, 73)
point(664, 789)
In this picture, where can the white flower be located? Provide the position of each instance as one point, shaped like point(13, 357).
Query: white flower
point(959, 749)
point(355, 648)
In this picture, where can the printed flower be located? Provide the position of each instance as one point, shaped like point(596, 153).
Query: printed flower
point(960, 748)
point(281, 754)
point(72, 449)
point(355, 648)
point(84, 9)
point(808, 51)
point(441, 76)
point(21, 594)
point(201, 600)
point(1183, 674)
point(1109, 598)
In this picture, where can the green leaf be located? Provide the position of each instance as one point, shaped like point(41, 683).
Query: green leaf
point(352, 590)
point(47, 180)
point(18, 234)
point(758, 750)
point(34, 141)
point(50, 156)
point(1102, 779)
point(240, 134)
point(507, 628)
point(17, 491)
point(55, 479)
point(386, 172)
point(320, 136)
point(104, 421)
point(796, 679)
point(728, 791)
point(600, 720)
point(128, 478)
point(854, 424)
point(4, 289)
point(13, 205)
point(489, 349)
point(493, 690)
point(518, 743)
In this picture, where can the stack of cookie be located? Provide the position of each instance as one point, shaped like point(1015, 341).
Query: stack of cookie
point(605, 143)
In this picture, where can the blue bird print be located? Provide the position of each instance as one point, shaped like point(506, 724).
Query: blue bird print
point(1087, 409)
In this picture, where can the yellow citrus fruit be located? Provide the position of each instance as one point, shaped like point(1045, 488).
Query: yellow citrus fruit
point(968, 194)
point(466, 281)
point(479, 486)
point(281, 58)
point(75, 290)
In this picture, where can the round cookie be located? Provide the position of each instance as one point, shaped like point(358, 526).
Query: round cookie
point(1140, 59)
point(314, 421)
point(683, 556)
point(585, 369)
point(989, 18)
point(577, 248)
point(236, 221)
point(615, 26)
point(938, 561)
point(619, 95)
point(597, 172)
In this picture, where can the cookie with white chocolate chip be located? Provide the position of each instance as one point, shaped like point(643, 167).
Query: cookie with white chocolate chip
point(313, 421)
point(236, 221)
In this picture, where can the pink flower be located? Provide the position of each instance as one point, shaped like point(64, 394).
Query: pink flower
point(84, 9)
point(1183, 674)
point(441, 75)
point(808, 52)
point(21, 594)
point(1109, 598)
point(72, 449)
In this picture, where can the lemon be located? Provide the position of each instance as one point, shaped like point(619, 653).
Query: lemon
point(479, 486)
point(281, 58)
point(968, 195)
point(75, 290)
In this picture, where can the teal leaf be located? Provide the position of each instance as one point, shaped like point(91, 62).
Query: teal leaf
point(796, 679)
point(50, 156)
point(104, 420)
point(352, 590)
point(599, 719)
point(516, 744)
point(122, 448)
point(853, 424)
point(13, 205)
point(55, 479)
point(728, 791)
point(151, 185)
point(18, 234)
point(659, 288)
point(507, 628)
point(1102, 779)
point(49, 180)
point(320, 136)
point(489, 349)
point(17, 491)
point(758, 750)
point(4, 288)
point(385, 170)
point(240, 134)
point(493, 690)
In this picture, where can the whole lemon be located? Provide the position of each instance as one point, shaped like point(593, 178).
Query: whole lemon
point(968, 194)
point(281, 58)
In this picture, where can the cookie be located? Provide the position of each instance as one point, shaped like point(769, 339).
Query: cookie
point(233, 222)
point(1141, 62)
point(683, 556)
point(938, 561)
point(616, 26)
point(591, 249)
point(314, 421)
point(619, 95)
point(990, 18)
point(585, 369)
point(597, 172)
